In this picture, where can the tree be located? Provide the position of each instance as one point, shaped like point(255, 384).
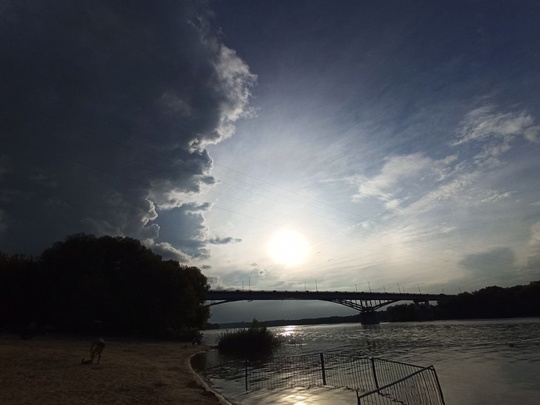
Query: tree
point(114, 280)
point(18, 289)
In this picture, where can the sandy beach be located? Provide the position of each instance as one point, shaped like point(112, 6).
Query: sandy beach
point(48, 370)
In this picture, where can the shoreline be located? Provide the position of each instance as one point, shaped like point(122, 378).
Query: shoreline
point(202, 382)
point(48, 370)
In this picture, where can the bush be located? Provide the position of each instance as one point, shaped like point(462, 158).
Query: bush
point(257, 341)
point(182, 335)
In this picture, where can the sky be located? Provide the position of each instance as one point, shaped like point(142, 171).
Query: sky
point(280, 145)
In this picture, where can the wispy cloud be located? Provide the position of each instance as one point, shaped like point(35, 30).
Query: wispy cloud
point(386, 185)
point(484, 122)
point(451, 189)
point(493, 133)
point(412, 183)
point(532, 134)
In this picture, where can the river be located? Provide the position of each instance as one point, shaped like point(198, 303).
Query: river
point(478, 362)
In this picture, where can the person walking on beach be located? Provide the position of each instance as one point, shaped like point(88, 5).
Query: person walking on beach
point(96, 348)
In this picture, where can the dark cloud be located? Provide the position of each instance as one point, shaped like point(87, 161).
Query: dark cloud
point(223, 241)
point(106, 109)
point(183, 227)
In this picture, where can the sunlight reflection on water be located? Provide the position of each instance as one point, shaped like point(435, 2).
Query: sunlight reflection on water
point(298, 396)
point(478, 362)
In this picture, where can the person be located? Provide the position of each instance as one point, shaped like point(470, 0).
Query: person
point(96, 348)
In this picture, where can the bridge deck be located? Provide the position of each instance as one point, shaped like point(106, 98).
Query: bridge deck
point(252, 295)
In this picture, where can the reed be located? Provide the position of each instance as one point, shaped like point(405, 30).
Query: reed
point(255, 341)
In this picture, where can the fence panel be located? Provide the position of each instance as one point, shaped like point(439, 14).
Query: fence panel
point(420, 388)
point(349, 372)
point(389, 371)
point(376, 381)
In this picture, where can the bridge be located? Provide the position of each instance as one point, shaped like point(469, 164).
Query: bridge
point(364, 302)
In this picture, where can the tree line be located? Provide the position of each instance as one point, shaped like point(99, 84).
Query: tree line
point(114, 284)
point(489, 302)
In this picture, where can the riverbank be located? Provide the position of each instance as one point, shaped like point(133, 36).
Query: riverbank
point(48, 370)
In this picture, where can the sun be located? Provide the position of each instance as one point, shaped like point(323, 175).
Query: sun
point(288, 247)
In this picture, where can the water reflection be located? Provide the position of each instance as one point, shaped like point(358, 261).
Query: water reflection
point(478, 362)
point(288, 331)
point(297, 396)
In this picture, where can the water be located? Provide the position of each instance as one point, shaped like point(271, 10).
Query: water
point(478, 362)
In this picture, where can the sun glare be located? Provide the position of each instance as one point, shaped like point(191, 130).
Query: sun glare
point(288, 247)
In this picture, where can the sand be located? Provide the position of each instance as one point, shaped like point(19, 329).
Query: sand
point(48, 370)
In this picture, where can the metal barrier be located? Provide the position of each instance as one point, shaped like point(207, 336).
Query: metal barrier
point(375, 380)
point(420, 388)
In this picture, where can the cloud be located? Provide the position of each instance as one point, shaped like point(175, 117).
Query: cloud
point(215, 282)
point(483, 123)
point(494, 132)
point(246, 276)
point(5, 165)
point(532, 134)
point(395, 172)
point(535, 235)
point(2, 222)
point(533, 258)
point(413, 183)
point(184, 228)
point(106, 109)
point(168, 251)
point(494, 267)
point(223, 241)
point(445, 191)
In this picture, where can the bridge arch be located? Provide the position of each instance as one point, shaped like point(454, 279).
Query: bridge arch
point(364, 302)
point(361, 306)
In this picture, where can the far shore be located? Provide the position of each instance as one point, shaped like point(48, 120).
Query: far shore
point(47, 370)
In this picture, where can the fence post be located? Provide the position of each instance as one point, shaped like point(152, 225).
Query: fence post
point(374, 373)
point(322, 369)
point(441, 396)
point(246, 373)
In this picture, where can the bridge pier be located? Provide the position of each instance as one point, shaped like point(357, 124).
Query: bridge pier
point(369, 317)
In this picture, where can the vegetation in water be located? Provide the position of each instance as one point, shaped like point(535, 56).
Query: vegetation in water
point(256, 341)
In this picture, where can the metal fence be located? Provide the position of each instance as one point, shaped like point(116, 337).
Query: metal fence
point(421, 387)
point(375, 380)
